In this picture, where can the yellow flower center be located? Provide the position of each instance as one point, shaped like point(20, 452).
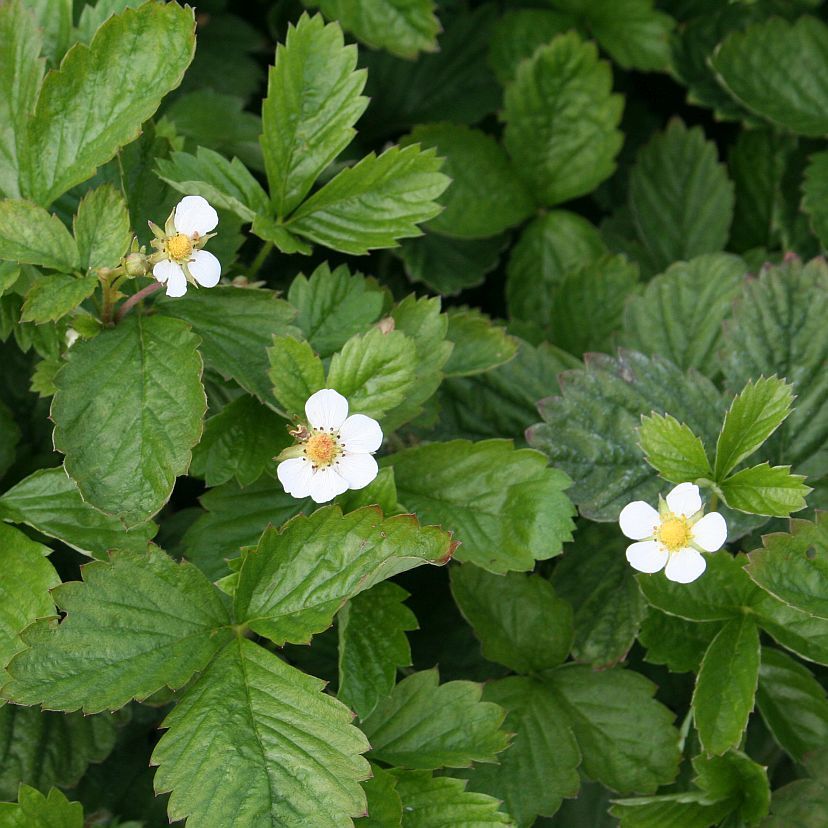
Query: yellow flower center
point(322, 449)
point(674, 533)
point(179, 247)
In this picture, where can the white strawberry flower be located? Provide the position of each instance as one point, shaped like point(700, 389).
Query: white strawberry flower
point(334, 452)
point(675, 535)
point(180, 258)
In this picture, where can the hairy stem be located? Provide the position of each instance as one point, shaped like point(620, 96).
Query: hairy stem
point(135, 299)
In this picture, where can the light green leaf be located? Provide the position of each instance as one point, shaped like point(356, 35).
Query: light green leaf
point(21, 70)
point(680, 313)
point(236, 326)
point(313, 101)
point(792, 703)
point(49, 501)
point(479, 345)
point(102, 228)
point(30, 235)
point(427, 725)
point(375, 371)
point(295, 371)
point(46, 749)
point(333, 305)
point(374, 203)
point(114, 645)
point(264, 734)
point(373, 645)
point(299, 576)
point(239, 442)
point(726, 685)
point(52, 297)
point(402, 27)
point(561, 120)
point(507, 508)
point(486, 195)
point(34, 810)
point(82, 114)
point(384, 805)
point(594, 577)
point(127, 412)
point(680, 196)
point(672, 449)
point(54, 17)
point(777, 69)
point(518, 619)
point(626, 737)
point(791, 299)
point(439, 801)
point(765, 490)
point(94, 14)
point(225, 184)
point(591, 431)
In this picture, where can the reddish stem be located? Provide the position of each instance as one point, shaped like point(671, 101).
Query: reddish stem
point(135, 299)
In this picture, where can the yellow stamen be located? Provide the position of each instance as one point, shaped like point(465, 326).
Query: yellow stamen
point(674, 533)
point(179, 247)
point(322, 449)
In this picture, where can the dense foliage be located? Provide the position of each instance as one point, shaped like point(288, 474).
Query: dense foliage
point(565, 255)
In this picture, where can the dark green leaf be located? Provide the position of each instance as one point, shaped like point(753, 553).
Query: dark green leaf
point(384, 805)
point(102, 228)
point(675, 642)
point(479, 345)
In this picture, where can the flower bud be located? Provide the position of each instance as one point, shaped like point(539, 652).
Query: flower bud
point(135, 264)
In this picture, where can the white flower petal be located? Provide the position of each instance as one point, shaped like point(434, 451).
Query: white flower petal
point(647, 556)
point(360, 434)
point(295, 475)
point(685, 565)
point(638, 520)
point(193, 214)
point(206, 268)
point(710, 532)
point(164, 269)
point(357, 469)
point(326, 409)
point(177, 283)
point(326, 484)
point(684, 499)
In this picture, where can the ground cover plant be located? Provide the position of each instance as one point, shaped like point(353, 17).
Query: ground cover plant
point(413, 414)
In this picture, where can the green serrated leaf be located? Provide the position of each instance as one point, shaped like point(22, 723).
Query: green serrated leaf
point(384, 804)
point(295, 371)
point(102, 228)
point(113, 644)
point(672, 449)
point(518, 619)
point(127, 412)
point(561, 120)
point(52, 297)
point(479, 345)
point(427, 725)
point(765, 490)
point(35, 810)
point(30, 235)
point(505, 505)
point(262, 731)
point(373, 645)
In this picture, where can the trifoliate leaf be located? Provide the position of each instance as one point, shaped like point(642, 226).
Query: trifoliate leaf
point(373, 645)
point(127, 412)
point(427, 725)
point(236, 326)
point(726, 685)
point(30, 235)
point(102, 228)
point(506, 507)
point(46, 749)
point(594, 577)
point(626, 737)
point(561, 120)
point(680, 196)
point(295, 371)
point(791, 299)
point(264, 734)
point(49, 501)
point(34, 810)
point(298, 577)
point(672, 449)
point(375, 371)
point(486, 196)
point(591, 431)
point(765, 490)
point(239, 442)
point(374, 203)
point(792, 704)
point(679, 315)
point(539, 768)
point(518, 619)
point(82, 114)
point(313, 101)
point(479, 345)
point(777, 70)
point(333, 305)
point(52, 297)
point(384, 805)
point(403, 27)
point(113, 644)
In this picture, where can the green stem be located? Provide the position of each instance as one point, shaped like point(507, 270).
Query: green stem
point(261, 256)
point(714, 502)
point(108, 303)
